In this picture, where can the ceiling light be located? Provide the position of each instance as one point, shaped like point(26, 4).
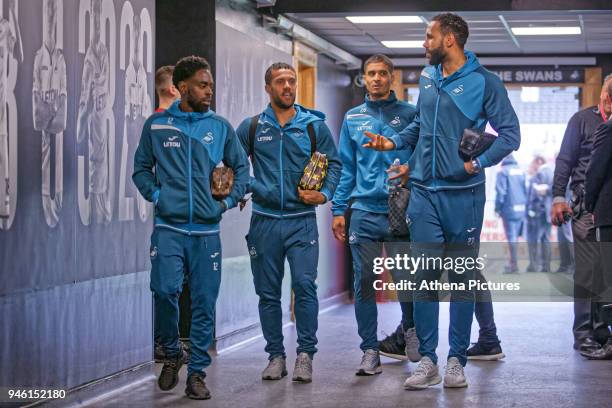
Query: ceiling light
point(403, 44)
point(384, 19)
point(546, 31)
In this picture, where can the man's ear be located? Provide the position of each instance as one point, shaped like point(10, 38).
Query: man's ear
point(182, 87)
point(449, 40)
point(268, 89)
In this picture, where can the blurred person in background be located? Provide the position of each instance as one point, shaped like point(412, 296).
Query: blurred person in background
point(539, 202)
point(510, 200)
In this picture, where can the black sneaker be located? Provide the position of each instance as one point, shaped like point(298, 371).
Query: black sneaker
point(196, 387)
point(479, 352)
point(170, 372)
point(391, 347)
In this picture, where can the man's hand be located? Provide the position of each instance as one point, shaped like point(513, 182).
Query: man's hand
point(339, 228)
point(400, 172)
point(558, 211)
point(378, 142)
point(311, 197)
point(469, 167)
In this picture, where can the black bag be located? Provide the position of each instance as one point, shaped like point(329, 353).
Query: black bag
point(398, 203)
point(473, 143)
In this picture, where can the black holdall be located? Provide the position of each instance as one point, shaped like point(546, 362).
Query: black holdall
point(473, 143)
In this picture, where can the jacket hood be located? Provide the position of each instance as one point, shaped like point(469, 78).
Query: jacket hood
point(302, 118)
point(175, 110)
point(471, 65)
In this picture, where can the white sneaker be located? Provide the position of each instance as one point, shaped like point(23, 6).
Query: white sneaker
point(454, 376)
point(370, 363)
point(425, 375)
point(275, 370)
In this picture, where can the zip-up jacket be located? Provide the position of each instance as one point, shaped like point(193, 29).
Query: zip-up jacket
point(364, 179)
point(173, 164)
point(510, 191)
point(279, 158)
point(468, 98)
point(575, 152)
point(598, 176)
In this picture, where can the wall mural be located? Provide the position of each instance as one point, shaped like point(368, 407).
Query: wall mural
point(67, 139)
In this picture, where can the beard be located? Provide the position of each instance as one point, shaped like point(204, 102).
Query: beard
point(436, 56)
point(278, 101)
point(196, 104)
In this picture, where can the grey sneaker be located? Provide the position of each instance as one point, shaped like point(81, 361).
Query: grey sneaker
point(370, 363)
point(425, 375)
point(412, 345)
point(275, 370)
point(302, 372)
point(454, 377)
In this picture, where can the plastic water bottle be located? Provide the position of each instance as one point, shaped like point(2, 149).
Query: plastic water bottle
point(392, 184)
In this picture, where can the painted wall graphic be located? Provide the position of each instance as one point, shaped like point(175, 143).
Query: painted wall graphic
point(137, 106)
point(69, 211)
point(49, 108)
point(95, 118)
point(11, 54)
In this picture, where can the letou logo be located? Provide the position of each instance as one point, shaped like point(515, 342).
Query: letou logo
point(365, 126)
point(264, 139)
point(172, 142)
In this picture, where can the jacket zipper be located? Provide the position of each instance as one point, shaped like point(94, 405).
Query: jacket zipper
point(189, 176)
point(381, 157)
point(433, 169)
point(282, 178)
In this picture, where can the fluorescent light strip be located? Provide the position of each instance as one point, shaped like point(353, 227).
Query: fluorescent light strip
point(403, 44)
point(384, 19)
point(546, 31)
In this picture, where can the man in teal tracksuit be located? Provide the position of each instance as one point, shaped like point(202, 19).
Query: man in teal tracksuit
point(364, 181)
point(283, 225)
point(448, 195)
point(178, 150)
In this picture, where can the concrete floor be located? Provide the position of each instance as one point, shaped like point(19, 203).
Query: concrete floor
point(540, 369)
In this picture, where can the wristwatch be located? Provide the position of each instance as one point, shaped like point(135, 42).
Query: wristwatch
point(476, 166)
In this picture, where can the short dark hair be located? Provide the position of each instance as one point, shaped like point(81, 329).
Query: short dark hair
point(186, 67)
point(452, 23)
point(275, 67)
point(378, 58)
